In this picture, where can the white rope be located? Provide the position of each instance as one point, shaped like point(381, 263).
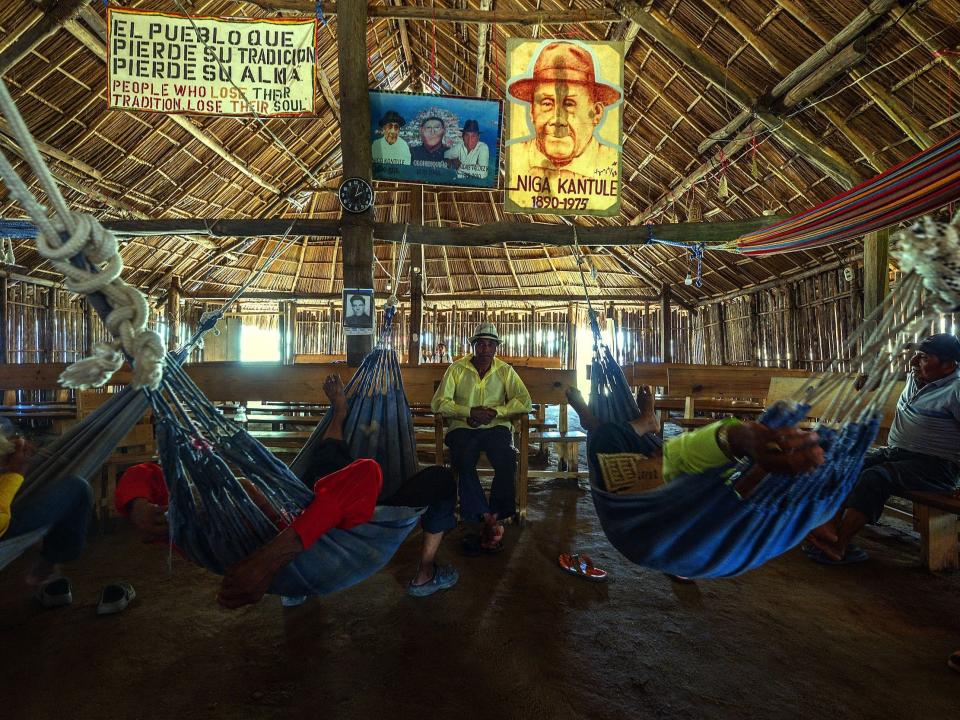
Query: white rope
point(127, 319)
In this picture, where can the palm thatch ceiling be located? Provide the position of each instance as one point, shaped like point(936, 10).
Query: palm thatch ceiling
point(896, 98)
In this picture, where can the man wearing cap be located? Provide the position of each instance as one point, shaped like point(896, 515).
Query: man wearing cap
point(567, 104)
point(480, 395)
point(391, 149)
point(470, 155)
point(922, 452)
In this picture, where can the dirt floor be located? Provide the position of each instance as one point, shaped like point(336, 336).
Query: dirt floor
point(515, 639)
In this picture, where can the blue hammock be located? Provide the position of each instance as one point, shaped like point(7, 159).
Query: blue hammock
point(378, 423)
point(697, 526)
point(212, 519)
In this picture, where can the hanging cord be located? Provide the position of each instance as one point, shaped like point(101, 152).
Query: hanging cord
point(390, 309)
point(591, 314)
point(88, 256)
point(210, 318)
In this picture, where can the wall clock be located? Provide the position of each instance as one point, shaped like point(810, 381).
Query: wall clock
point(356, 195)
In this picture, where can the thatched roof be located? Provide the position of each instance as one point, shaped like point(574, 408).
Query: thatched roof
point(899, 97)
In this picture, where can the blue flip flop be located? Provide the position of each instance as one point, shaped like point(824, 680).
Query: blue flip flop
point(852, 555)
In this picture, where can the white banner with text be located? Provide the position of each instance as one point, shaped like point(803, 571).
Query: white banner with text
point(163, 62)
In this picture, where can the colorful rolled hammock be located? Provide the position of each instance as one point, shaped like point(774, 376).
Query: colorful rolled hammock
point(927, 181)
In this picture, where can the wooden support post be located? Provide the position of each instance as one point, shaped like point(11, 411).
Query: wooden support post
point(571, 336)
point(790, 325)
point(454, 346)
point(666, 340)
point(722, 332)
point(173, 313)
point(89, 316)
point(50, 334)
point(355, 150)
point(3, 320)
point(330, 329)
point(283, 328)
point(876, 247)
point(416, 280)
point(293, 329)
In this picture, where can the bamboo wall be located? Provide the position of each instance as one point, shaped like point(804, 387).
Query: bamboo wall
point(801, 325)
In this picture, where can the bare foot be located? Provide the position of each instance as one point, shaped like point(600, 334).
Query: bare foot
point(333, 389)
point(247, 581)
point(587, 418)
point(825, 538)
point(647, 422)
point(42, 571)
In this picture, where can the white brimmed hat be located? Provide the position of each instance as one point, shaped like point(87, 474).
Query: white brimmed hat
point(485, 331)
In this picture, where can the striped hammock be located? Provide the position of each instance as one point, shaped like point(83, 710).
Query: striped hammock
point(925, 182)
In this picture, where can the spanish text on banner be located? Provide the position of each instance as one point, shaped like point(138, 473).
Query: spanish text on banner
point(162, 62)
point(564, 127)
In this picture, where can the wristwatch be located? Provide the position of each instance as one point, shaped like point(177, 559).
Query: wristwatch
point(723, 442)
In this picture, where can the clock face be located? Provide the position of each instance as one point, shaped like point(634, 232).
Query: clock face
point(356, 195)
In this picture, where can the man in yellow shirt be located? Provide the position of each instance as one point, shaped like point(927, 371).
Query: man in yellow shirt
point(480, 395)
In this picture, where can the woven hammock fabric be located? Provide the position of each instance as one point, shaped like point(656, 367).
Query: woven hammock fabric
point(696, 525)
point(17, 229)
point(611, 399)
point(927, 181)
point(379, 423)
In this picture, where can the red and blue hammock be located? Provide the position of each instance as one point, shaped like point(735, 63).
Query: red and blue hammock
point(925, 182)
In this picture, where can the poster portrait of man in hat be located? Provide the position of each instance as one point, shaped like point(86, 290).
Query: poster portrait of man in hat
point(391, 149)
point(564, 126)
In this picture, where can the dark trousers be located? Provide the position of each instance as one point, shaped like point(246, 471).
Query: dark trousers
point(432, 487)
point(63, 506)
point(465, 448)
point(893, 471)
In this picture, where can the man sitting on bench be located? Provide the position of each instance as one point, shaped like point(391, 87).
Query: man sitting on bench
point(922, 451)
point(479, 395)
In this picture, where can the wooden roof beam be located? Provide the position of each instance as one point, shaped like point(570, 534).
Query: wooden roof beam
point(476, 236)
point(529, 18)
point(483, 30)
point(433, 297)
point(884, 100)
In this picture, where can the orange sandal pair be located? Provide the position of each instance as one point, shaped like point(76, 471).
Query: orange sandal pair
point(581, 564)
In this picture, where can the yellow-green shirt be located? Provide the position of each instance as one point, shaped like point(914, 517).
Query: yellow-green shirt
point(9, 484)
point(462, 388)
point(694, 452)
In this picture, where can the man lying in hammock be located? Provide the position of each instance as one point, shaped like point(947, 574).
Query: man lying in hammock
point(346, 494)
point(789, 450)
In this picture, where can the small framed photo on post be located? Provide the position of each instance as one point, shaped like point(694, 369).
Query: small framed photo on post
point(358, 311)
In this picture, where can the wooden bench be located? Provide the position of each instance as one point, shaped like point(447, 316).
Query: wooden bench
point(935, 516)
point(136, 447)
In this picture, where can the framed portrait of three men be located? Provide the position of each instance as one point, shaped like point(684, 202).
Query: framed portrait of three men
point(435, 139)
point(562, 131)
